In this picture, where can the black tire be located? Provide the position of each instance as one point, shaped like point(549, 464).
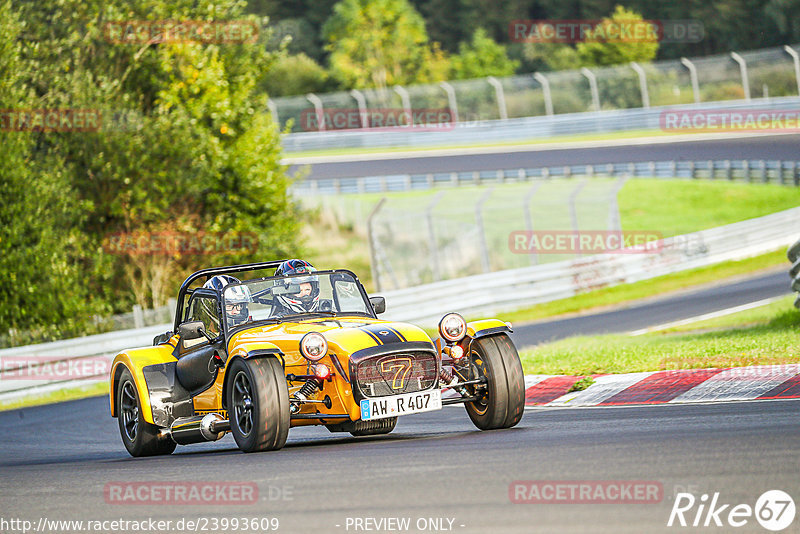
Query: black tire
point(258, 404)
point(503, 401)
point(794, 252)
point(139, 437)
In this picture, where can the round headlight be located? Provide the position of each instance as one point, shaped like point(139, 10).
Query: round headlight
point(313, 346)
point(452, 327)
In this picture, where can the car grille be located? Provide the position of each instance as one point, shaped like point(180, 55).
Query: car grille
point(392, 374)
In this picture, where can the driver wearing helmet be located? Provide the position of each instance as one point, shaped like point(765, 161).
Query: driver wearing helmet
point(236, 298)
point(297, 294)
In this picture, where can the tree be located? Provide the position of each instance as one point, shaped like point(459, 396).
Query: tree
point(185, 145)
point(602, 47)
point(380, 43)
point(482, 57)
point(296, 75)
point(40, 283)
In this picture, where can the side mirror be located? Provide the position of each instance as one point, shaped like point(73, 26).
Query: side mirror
point(192, 330)
point(378, 304)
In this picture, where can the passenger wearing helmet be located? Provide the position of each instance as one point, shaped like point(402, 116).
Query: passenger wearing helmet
point(297, 294)
point(236, 298)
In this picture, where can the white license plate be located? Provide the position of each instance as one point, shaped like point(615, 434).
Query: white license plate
point(382, 407)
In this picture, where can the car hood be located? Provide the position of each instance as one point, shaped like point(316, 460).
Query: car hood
point(345, 335)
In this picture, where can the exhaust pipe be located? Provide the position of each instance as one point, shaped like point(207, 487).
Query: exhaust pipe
point(197, 429)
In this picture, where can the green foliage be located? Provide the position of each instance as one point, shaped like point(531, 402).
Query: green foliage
point(380, 43)
point(601, 48)
point(296, 75)
point(482, 57)
point(185, 145)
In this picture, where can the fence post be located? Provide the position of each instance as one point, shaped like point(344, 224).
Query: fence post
point(482, 230)
point(548, 97)
point(764, 177)
point(743, 70)
point(693, 76)
point(501, 97)
point(642, 83)
point(319, 111)
point(526, 207)
point(614, 219)
point(451, 99)
point(593, 86)
point(573, 212)
point(362, 106)
point(273, 109)
point(437, 273)
point(400, 90)
point(172, 306)
point(373, 255)
point(796, 60)
point(138, 316)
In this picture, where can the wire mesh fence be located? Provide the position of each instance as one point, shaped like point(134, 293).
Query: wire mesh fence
point(771, 72)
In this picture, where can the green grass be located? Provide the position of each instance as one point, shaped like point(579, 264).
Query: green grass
point(765, 336)
point(628, 134)
point(92, 390)
point(668, 207)
point(675, 207)
point(601, 298)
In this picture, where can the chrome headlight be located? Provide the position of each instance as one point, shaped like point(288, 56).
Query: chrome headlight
point(313, 346)
point(452, 328)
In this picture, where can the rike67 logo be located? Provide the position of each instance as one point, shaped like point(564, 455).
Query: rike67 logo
point(774, 510)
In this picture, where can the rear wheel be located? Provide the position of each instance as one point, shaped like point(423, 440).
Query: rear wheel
point(258, 404)
point(139, 437)
point(502, 398)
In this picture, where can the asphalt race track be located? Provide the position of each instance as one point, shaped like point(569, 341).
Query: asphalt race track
point(57, 460)
point(771, 147)
point(657, 311)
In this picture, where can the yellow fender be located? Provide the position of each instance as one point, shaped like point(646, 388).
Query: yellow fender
point(486, 327)
point(135, 360)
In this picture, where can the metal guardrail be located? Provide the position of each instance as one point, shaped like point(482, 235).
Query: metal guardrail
point(520, 129)
point(486, 293)
point(764, 171)
point(794, 272)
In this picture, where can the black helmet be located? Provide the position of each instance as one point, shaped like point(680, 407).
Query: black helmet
point(295, 303)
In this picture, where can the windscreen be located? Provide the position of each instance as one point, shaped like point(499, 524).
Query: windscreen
point(336, 293)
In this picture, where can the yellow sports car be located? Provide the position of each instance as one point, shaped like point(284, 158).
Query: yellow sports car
point(291, 346)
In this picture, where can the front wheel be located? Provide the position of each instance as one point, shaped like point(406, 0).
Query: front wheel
point(502, 398)
point(140, 437)
point(258, 404)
